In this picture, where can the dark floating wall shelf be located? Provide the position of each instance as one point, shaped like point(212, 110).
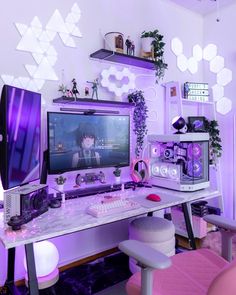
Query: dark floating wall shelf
point(93, 102)
point(121, 58)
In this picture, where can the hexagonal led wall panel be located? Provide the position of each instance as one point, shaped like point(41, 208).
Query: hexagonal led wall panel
point(217, 64)
point(182, 62)
point(224, 105)
point(224, 77)
point(197, 52)
point(177, 46)
point(192, 65)
point(209, 52)
point(217, 92)
point(118, 76)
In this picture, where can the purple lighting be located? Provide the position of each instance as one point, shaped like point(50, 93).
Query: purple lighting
point(194, 151)
point(194, 168)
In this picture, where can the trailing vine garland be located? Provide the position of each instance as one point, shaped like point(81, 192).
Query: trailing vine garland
point(139, 119)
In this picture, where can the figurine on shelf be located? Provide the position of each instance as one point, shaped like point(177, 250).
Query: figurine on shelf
point(128, 44)
point(95, 84)
point(132, 49)
point(86, 91)
point(74, 89)
point(63, 89)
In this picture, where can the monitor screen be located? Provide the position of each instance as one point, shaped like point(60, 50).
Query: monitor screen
point(78, 141)
point(20, 127)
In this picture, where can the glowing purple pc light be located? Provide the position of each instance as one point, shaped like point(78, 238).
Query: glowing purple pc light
point(194, 151)
point(194, 168)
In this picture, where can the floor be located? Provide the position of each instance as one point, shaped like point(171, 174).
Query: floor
point(104, 276)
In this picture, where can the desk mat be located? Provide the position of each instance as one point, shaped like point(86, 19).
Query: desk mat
point(165, 200)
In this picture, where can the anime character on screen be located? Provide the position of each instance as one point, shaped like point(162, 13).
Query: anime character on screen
point(86, 156)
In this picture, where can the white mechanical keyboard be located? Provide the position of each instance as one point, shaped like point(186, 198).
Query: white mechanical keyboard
point(110, 207)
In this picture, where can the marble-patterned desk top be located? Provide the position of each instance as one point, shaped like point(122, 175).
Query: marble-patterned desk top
point(72, 217)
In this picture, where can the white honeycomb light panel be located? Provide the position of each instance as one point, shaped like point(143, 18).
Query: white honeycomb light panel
point(209, 52)
point(216, 65)
point(119, 76)
point(37, 40)
point(177, 46)
point(197, 52)
point(224, 77)
point(192, 65)
point(182, 62)
point(224, 105)
point(217, 92)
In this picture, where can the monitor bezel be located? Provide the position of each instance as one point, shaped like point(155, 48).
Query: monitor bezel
point(4, 162)
point(52, 172)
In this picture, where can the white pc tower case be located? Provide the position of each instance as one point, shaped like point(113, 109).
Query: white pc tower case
point(179, 161)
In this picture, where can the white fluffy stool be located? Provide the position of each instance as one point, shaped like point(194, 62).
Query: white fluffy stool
point(156, 232)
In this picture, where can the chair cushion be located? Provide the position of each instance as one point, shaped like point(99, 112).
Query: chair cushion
point(190, 274)
point(151, 229)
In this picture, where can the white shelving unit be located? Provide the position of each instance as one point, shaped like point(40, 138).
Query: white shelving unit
point(176, 105)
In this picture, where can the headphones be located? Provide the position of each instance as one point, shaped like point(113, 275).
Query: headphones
point(140, 170)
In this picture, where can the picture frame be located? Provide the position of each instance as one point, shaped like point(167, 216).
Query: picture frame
point(197, 124)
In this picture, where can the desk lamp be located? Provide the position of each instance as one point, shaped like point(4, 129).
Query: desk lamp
point(46, 260)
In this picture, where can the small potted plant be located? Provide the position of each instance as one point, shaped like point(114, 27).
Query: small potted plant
point(153, 41)
point(117, 173)
point(60, 180)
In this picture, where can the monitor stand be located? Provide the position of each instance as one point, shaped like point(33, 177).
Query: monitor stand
point(44, 169)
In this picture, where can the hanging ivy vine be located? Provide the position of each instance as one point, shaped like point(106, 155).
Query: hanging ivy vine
point(139, 119)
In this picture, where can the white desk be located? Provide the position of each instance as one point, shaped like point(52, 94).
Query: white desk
point(71, 217)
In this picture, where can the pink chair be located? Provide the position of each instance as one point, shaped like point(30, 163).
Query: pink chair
point(197, 272)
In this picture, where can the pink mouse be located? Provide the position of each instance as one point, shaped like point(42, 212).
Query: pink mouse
point(153, 197)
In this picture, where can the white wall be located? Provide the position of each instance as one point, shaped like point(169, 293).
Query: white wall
point(98, 17)
point(222, 34)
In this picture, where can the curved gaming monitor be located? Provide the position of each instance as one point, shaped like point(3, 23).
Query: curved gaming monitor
point(20, 122)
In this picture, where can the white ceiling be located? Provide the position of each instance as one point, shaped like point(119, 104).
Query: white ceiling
point(203, 6)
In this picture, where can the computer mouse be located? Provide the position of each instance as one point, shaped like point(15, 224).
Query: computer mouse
point(55, 204)
point(153, 197)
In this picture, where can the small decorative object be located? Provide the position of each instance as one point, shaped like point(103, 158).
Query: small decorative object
point(132, 49)
point(179, 123)
point(117, 173)
point(215, 147)
point(95, 84)
point(74, 90)
point(196, 124)
point(157, 50)
point(128, 44)
point(196, 91)
point(60, 180)
point(114, 41)
point(139, 119)
point(63, 89)
point(69, 93)
point(60, 147)
point(86, 91)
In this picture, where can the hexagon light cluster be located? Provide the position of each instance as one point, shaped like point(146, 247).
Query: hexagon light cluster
point(38, 41)
point(118, 76)
point(216, 65)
